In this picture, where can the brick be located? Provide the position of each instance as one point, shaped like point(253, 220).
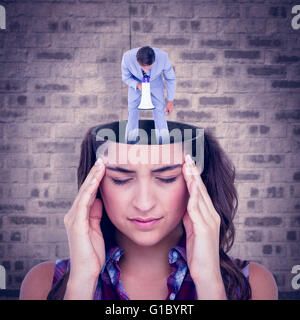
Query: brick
point(75, 40)
point(203, 26)
point(275, 192)
point(16, 100)
point(253, 235)
point(285, 84)
point(11, 70)
point(65, 161)
point(278, 12)
point(262, 160)
point(13, 115)
point(241, 54)
point(52, 206)
point(54, 85)
point(39, 101)
point(14, 146)
point(198, 56)
point(251, 206)
point(54, 116)
point(291, 235)
point(265, 11)
point(28, 251)
point(216, 101)
point(18, 236)
point(62, 250)
point(13, 55)
point(256, 26)
point(110, 9)
point(99, 56)
point(196, 86)
point(267, 131)
point(19, 265)
point(12, 86)
point(287, 115)
point(100, 25)
point(181, 10)
point(281, 205)
point(241, 85)
point(95, 118)
point(293, 101)
point(264, 42)
point(81, 70)
point(218, 43)
point(294, 191)
point(295, 221)
point(216, 71)
point(69, 131)
point(268, 71)
point(53, 176)
point(54, 55)
point(149, 26)
point(64, 190)
point(17, 25)
point(167, 41)
point(52, 25)
point(294, 251)
point(267, 249)
point(32, 40)
point(195, 116)
point(48, 236)
point(8, 208)
point(28, 161)
point(182, 102)
point(254, 114)
point(183, 70)
point(53, 147)
point(94, 86)
point(283, 58)
point(28, 131)
point(249, 176)
point(263, 222)
point(262, 101)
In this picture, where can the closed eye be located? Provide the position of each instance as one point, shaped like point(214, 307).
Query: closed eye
point(164, 180)
point(168, 180)
point(120, 182)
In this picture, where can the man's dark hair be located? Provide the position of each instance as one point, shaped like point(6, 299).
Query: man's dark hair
point(145, 56)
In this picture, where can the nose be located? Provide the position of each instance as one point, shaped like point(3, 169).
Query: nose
point(144, 198)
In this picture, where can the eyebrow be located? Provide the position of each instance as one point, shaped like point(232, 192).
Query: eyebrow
point(162, 169)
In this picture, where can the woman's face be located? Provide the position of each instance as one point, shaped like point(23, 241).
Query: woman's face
point(145, 198)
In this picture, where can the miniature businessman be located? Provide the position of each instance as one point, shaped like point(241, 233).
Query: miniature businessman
point(146, 62)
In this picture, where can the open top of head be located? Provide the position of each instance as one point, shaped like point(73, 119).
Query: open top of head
point(180, 135)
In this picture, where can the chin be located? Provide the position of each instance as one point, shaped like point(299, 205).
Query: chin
point(146, 239)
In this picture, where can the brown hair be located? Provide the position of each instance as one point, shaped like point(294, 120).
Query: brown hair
point(218, 176)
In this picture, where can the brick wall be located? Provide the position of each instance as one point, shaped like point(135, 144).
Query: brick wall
point(238, 74)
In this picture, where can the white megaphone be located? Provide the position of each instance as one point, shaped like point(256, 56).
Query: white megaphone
point(146, 103)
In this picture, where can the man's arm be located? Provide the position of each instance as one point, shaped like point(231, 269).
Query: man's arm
point(127, 75)
point(170, 79)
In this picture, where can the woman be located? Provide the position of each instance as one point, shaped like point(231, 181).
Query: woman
point(150, 230)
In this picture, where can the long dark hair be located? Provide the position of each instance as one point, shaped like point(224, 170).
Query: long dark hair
point(218, 176)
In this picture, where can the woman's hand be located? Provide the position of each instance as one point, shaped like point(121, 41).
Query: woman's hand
point(86, 243)
point(202, 225)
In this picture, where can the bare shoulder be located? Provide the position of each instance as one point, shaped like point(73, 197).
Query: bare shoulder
point(38, 282)
point(262, 282)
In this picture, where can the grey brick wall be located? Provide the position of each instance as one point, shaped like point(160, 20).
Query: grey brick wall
point(238, 74)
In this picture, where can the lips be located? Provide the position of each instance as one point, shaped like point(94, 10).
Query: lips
point(145, 223)
point(144, 220)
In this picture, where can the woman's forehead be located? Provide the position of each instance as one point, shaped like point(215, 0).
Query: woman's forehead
point(152, 155)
